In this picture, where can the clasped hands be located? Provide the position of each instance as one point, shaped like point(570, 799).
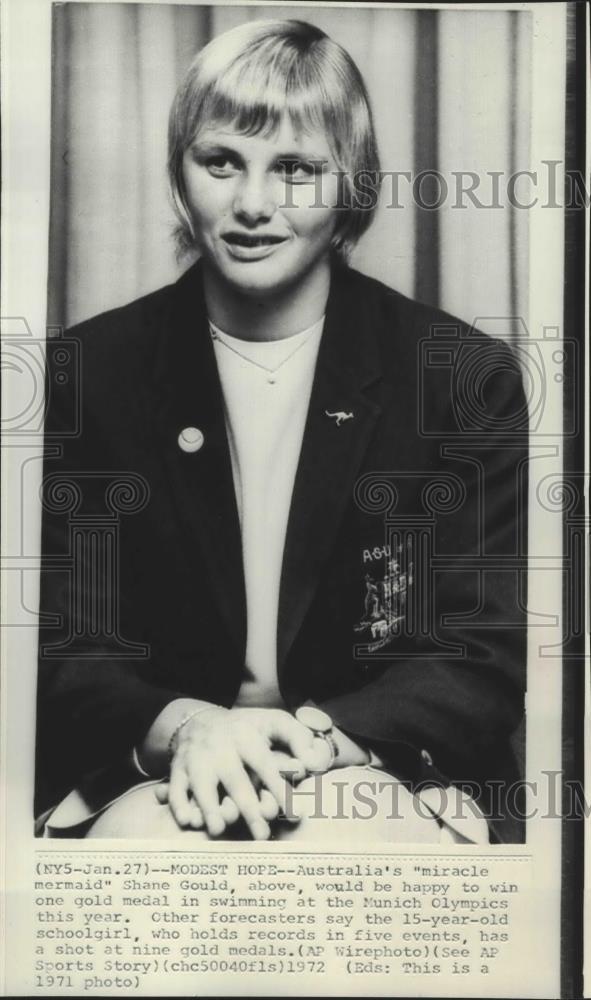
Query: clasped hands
point(237, 763)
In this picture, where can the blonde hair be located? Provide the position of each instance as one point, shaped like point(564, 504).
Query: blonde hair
point(250, 77)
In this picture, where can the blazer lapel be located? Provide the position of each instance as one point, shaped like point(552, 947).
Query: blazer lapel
point(332, 452)
point(189, 394)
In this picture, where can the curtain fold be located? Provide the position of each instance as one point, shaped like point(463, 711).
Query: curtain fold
point(450, 91)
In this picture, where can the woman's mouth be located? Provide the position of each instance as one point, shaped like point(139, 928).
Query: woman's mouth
point(247, 246)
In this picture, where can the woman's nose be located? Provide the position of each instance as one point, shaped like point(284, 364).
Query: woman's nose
point(253, 200)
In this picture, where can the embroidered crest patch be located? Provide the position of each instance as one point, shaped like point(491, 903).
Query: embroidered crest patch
point(384, 600)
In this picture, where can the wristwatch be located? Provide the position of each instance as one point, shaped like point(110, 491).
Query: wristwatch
point(319, 723)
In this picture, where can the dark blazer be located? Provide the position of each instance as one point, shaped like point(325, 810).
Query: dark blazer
point(401, 605)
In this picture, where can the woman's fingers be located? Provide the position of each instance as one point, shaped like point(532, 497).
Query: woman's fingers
point(291, 769)
point(196, 819)
point(203, 784)
point(263, 762)
point(239, 787)
point(319, 757)
point(283, 728)
point(161, 792)
point(178, 795)
point(194, 814)
point(229, 810)
point(269, 805)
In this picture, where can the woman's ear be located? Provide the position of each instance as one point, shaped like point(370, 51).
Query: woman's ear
point(341, 247)
point(185, 235)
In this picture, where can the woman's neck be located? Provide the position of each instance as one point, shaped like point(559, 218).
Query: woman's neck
point(253, 316)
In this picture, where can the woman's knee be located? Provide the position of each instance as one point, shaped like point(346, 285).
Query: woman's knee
point(357, 804)
point(139, 814)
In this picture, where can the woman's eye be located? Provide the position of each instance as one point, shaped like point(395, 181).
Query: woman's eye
point(221, 166)
point(298, 171)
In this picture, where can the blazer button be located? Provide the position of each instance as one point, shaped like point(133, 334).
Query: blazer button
point(191, 439)
point(427, 758)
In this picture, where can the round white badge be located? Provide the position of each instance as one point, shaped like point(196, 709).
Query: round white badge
point(191, 439)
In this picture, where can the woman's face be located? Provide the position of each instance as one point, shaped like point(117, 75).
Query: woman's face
point(263, 208)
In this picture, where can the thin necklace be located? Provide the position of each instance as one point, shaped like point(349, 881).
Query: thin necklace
point(271, 373)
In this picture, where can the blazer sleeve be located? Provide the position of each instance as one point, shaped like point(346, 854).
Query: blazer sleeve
point(459, 711)
point(93, 703)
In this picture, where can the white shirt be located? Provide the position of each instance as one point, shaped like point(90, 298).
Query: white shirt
point(266, 387)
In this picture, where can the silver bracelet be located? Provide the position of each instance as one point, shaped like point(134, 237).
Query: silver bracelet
point(187, 718)
point(136, 763)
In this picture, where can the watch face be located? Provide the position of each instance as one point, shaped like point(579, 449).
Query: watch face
point(314, 718)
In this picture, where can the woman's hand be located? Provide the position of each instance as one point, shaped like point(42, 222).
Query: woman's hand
point(234, 748)
point(290, 768)
point(317, 757)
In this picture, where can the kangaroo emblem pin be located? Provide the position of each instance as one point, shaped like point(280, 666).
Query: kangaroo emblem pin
point(339, 416)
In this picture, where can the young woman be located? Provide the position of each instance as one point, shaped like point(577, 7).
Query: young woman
point(270, 616)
